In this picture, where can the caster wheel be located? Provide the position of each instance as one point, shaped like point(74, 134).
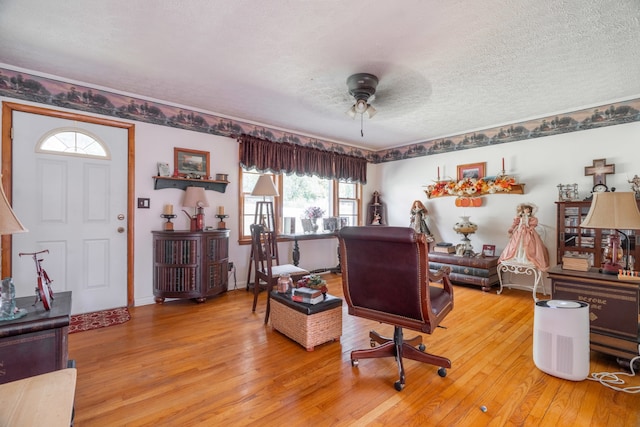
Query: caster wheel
point(372, 343)
point(354, 363)
point(442, 372)
point(398, 385)
point(422, 347)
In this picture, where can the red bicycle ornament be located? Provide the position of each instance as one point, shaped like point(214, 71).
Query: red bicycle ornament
point(44, 292)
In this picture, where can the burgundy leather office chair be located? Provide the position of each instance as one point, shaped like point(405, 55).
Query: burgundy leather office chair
point(386, 277)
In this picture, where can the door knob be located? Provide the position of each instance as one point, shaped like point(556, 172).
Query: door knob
point(120, 229)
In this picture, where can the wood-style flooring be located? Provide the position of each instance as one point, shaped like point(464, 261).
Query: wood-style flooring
point(216, 363)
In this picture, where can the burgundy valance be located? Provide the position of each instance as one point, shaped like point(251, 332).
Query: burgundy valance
point(282, 157)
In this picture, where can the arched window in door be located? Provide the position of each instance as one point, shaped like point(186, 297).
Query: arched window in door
point(73, 142)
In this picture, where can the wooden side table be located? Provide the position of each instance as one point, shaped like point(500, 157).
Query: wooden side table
point(36, 343)
point(308, 325)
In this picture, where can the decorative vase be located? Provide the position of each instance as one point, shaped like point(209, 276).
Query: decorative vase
point(315, 224)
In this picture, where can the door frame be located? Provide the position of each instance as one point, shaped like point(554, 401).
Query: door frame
point(7, 177)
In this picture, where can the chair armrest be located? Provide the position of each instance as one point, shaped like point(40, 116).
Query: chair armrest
point(442, 276)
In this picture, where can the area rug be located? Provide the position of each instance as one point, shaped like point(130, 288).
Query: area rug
point(98, 319)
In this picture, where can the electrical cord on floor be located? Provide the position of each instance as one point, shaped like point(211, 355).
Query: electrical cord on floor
point(235, 281)
point(612, 379)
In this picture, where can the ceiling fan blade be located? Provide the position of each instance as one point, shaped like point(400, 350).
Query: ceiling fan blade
point(371, 111)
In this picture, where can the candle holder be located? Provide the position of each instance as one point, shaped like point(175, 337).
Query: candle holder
point(222, 225)
point(168, 226)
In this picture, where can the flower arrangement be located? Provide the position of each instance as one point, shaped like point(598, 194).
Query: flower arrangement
point(313, 212)
point(313, 281)
point(469, 187)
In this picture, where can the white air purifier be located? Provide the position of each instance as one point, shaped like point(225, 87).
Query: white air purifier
point(561, 338)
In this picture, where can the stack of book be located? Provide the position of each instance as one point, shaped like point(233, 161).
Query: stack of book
point(578, 262)
point(307, 295)
point(445, 248)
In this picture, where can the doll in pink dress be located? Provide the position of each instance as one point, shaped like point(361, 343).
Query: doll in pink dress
point(525, 245)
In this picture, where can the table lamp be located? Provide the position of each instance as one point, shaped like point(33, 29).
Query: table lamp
point(9, 224)
point(195, 197)
point(264, 208)
point(614, 210)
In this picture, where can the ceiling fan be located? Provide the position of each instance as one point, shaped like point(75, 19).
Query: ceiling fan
point(362, 86)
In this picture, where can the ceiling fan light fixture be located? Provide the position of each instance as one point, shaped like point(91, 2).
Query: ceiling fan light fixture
point(371, 111)
point(361, 106)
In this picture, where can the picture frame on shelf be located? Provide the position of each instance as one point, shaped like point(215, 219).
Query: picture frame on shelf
point(489, 250)
point(191, 162)
point(568, 192)
point(471, 170)
point(163, 169)
point(330, 224)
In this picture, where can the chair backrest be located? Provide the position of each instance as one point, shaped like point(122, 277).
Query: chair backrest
point(385, 277)
point(262, 246)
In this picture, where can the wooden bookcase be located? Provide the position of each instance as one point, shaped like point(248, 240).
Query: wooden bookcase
point(573, 239)
point(190, 264)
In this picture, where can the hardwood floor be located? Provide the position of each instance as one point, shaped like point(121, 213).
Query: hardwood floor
point(183, 364)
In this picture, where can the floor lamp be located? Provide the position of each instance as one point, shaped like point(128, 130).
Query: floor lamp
point(264, 208)
point(615, 211)
point(9, 224)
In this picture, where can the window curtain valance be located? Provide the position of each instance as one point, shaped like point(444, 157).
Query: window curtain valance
point(283, 157)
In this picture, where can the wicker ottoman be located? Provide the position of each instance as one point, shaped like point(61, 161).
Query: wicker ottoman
point(308, 325)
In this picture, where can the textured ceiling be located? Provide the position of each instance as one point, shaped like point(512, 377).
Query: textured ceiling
point(445, 67)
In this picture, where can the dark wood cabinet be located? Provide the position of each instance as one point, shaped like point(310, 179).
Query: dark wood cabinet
point(190, 264)
point(614, 308)
point(36, 343)
point(573, 239)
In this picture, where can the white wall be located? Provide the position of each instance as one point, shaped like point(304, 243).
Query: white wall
point(155, 144)
point(540, 163)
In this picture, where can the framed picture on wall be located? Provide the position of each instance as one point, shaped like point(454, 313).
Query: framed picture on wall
point(191, 162)
point(471, 170)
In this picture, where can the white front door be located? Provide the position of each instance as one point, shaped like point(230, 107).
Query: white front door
point(76, 208)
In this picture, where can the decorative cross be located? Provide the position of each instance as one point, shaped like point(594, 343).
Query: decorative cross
point(599, 170)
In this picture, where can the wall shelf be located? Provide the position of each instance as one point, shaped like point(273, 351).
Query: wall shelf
point(182, 183)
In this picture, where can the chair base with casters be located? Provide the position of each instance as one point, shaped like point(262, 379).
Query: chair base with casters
point(391, 347)
point(386, 278)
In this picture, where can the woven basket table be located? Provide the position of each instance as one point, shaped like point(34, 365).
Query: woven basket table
point(308, 325)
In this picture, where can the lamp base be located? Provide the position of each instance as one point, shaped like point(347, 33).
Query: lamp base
point(609, 268)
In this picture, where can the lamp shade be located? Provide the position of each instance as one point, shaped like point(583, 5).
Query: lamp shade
point(195, 197)
point(615, 210)
point(264, 187)
point(9, 223)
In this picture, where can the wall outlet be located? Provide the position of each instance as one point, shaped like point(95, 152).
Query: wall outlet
point(230, 265)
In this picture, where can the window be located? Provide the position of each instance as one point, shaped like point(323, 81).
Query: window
point(297, 193)
point(74, 142)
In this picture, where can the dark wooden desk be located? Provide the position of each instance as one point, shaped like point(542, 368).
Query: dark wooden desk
point(310, 236)
point(36, 343)
point(614, 307)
